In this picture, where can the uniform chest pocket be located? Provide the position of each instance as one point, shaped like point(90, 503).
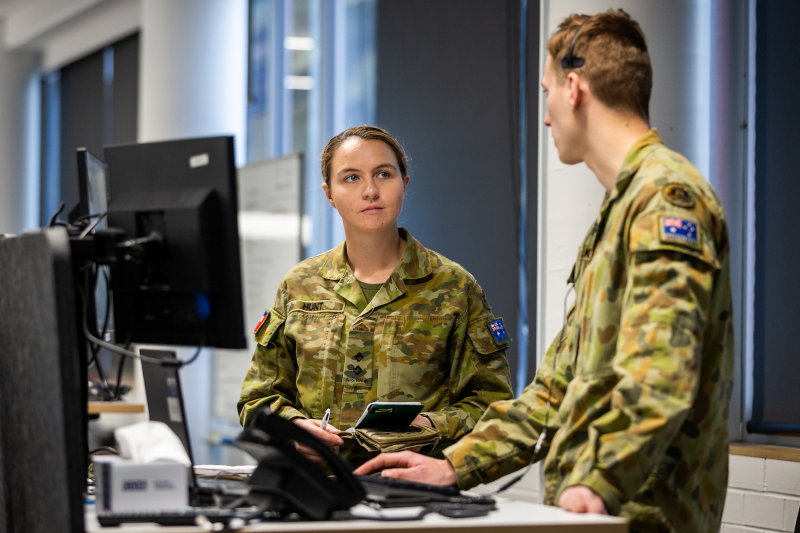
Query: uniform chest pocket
point(314, 327)
point(416, 367)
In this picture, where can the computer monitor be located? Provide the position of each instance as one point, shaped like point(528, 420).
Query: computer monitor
point(93, 193)
point(42, 387)
point(92, 185)
point(177, 203)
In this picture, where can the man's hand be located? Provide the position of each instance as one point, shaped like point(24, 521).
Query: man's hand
point(580, 499)
point(327, 435)
point(411, 467)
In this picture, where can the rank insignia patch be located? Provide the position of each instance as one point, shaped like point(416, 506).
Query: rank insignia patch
point(498, 330)
point(678, 230)
point(263, 318)
point(677, 194)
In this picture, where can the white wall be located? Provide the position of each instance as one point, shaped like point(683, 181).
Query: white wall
point(19, 142)
point(763, 495)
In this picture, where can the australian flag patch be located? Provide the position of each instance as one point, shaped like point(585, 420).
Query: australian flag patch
point(679, 231)
point(498, 330)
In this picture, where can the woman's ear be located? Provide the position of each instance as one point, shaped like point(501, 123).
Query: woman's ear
point(405, 183)
point(328, 194)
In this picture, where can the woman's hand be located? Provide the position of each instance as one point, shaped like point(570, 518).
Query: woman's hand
point(329, 436)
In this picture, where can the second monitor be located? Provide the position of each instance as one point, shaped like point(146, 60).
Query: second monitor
point(177, 203)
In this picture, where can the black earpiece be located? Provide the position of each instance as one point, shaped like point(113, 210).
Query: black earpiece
point(570, 60)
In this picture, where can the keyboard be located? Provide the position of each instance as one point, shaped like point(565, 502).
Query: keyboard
point(378, 487)
point(168, 518)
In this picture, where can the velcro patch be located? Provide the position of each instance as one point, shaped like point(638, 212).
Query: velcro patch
point(498, 330)
point(678, 230)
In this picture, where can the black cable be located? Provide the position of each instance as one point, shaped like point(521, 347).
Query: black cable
point(87, 217)
point(52, 221)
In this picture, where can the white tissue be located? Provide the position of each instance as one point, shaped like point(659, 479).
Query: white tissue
point(146, 442)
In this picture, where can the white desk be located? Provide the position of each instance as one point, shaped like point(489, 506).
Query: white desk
point(510, 517)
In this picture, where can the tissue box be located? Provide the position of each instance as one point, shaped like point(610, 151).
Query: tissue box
point(122, 485)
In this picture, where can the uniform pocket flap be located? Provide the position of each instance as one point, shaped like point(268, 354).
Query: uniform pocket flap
point(267, 330)
point(315, 306)
point(676, 232)
point(488, 336)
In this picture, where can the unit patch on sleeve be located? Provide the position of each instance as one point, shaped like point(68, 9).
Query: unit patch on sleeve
point(679, 231)
point(498, 330)
point(679, 195)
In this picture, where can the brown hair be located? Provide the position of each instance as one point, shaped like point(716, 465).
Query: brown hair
point(617, 64)
point(368, 133)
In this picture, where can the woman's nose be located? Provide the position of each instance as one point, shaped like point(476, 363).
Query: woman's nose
point(370, 190)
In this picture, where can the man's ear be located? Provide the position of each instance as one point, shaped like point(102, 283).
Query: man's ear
point(328, 194)
point(576, 89)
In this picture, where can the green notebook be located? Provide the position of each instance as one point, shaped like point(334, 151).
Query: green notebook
point(389, 414)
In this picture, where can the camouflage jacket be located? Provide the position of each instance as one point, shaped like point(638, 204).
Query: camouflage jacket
point(426, 336)
point(644, 368)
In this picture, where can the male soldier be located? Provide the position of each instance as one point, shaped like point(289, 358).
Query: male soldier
point(639, 379)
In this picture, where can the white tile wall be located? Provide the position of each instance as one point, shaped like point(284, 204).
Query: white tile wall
point(790, 514)
point(734, 507)
point(763, 510)
point(783, 477)
point(763, 495)
point(728, 528)
point(746, 472)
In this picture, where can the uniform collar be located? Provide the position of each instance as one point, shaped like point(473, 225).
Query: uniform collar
point(630, 166)
point(414, 265)
point(633, 160)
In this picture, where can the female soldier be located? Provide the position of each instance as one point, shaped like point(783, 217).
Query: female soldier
point(379, 317)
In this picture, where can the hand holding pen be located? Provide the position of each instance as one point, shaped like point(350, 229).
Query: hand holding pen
point(321, 429)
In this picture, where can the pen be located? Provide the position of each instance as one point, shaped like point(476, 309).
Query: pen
point(325, 418)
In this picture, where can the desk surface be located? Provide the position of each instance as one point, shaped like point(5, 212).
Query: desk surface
point(510, 517)
point(95, 408)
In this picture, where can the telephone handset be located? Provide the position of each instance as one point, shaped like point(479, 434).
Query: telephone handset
point(287, 481)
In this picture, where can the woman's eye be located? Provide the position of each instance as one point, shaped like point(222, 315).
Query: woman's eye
point(351, 178)
point(383, 174)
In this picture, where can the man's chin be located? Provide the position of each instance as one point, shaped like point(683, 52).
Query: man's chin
point(569, 159)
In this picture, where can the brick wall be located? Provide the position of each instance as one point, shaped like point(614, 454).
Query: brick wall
point(763, 495)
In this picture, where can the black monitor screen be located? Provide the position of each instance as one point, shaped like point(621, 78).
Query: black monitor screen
point(93, 184)
point(93, 189)
point(178, 200)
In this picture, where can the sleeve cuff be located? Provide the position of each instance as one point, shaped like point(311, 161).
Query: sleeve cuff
point(466, 477)
point(290, 413)
point(600, 486)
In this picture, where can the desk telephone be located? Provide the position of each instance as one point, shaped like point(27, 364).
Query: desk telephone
point(286, 480)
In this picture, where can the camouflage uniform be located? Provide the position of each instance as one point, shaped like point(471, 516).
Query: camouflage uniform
point(643, 372)
point(424, 337)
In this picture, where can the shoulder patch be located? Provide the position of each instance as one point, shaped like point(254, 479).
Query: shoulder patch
point(498, 331)
point(261, 322)
point(679, 231)
point(679, 195)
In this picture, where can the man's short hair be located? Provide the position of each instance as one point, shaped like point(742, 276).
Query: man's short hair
point(616, 61)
